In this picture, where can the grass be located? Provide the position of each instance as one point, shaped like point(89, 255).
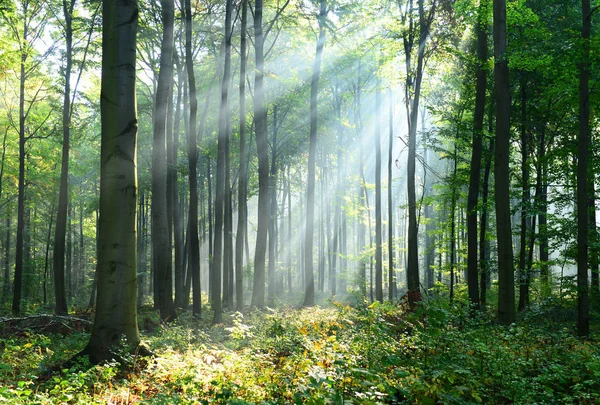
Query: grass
point(366, 354)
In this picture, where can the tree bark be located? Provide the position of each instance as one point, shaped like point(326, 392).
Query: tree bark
point(583, 315)
point(476, 153)
point(63, 196)
point(260, 123)
point(242, 185)
point(378, 222)
point(161, 244)
point(116, 310)
point(194, 245)
point(506, 276)
point(309, 294)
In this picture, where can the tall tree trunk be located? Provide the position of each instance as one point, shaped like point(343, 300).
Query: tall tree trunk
point(63, 196)
point(260, 123)
point(221, 185)
point(413, 95)
point(391, 271)
point(6, 287)
point(378, 224)
point(483, 243)
point(242, 176)
point(309, 295)
point(174, 201)
point(194, 245)
point(116, 310)
point(583, 315)
point(161, 244)
point(18, 280)
point(543, 213)
point(476, 153)
point(46, 257)
point(506, 276)
point(525, 200)
point(273, 212)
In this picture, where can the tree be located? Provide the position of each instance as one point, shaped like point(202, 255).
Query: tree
point(221, 184)
point(506, 276)
point(477, 151)
point(414, 77)
point(309, 294)
point(116, 310)
point(161, 243)
point(378, 223)
point(243, 172)
point(583, 316)
point(63, 202)
point(194, 245)
point(260, 128)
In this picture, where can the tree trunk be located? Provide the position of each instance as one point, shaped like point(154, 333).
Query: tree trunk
point(116, 310)
point(476, 153)
point(194, 245)
point(273, 212)
point(63, 196)
point(161, 244)
point(583, 315)
point(242, 186)
point(221, 185)
point(378, 224)
point(525, 199)
point(260, 123)
point(309, 295)
point(506, 276)
point(391, 271)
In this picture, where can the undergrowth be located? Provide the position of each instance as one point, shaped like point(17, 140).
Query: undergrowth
point(367, 354)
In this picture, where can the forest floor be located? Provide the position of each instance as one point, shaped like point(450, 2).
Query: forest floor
point(369, 354)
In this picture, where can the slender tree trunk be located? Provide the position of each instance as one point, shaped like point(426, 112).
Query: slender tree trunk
point(476, 153)
point(18, 280)
point(378, 221)
point(46, 257)
point(309, 295)
point(260, 123)
point(194, 245)
point(116, 310)
point(583, 316)
point(242, 185)
point(161, 244)
point(525, 200)
point(221, 185)
point(391, 271)
point(483, 243)
point(175, 205)
point(61, 219)
point(506, 283)
point(273, 212)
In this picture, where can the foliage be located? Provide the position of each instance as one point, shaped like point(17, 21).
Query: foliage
point(370, 354)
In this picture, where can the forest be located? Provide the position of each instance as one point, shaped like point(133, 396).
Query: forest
point(299, 201)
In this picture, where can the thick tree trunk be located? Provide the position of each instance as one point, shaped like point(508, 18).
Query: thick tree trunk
point(506, 276)
point(309, 294)
point(161, 244)
point(116, 310)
